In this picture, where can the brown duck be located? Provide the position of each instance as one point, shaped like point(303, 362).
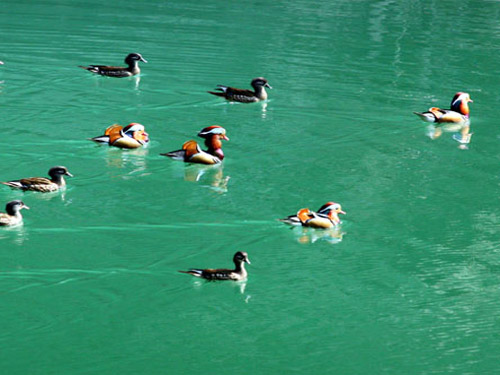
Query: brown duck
point(132, 60)
point(244, 96)
point(238, 274)
point(42, 184)
point(12, 216)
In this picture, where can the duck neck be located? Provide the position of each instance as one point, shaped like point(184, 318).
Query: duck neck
point(13, 211)
point(59, 180)
point(462, 107)
point(214, 146)
point(240, 268)
point(260, 92)
point(133, 67)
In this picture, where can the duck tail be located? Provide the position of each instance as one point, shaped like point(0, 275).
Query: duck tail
point(216, 93)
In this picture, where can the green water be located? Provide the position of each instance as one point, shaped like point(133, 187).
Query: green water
point(408, 285)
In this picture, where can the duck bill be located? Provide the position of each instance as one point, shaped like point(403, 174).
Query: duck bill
point(268, 86)
point(26, 207)
point(247, 261)
point(342, 212)
point(143, 60)
point(68, 174)
point(223, 136)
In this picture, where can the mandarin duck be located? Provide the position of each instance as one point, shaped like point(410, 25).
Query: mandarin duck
point(457, 114)
point(242, 95)
point(42, 184)
point(131, 136)
point(132, 60)
point(191, 151)
point(12, 216)
point(239, 273)
point(326, 217)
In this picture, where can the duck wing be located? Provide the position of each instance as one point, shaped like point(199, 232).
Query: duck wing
point(105, 70)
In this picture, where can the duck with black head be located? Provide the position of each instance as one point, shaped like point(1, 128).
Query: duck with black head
point(12, 215)
point(132, 68)
point(42, 184)
point(259, 85)
point(238, 274)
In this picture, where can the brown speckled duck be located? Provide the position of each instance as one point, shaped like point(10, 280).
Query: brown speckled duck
point(42, 184)
point(458, 112)
point(132, 60)
point(238, 274)
point(242, 95)
point(12, 216)
point(191, 152)
point(326, 217)
point(131, 136)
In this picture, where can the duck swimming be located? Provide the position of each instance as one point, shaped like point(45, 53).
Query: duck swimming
point(12, 216)
point(131, 136)
point(326, 217)
point(239, 273)
point(244, 96)
point(42, 184)
point(191, 151)
point(132, 60)
point(457, 114)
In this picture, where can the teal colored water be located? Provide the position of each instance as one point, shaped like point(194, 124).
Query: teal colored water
point(409, 284)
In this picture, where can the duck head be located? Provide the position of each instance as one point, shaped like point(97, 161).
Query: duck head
point(459, 103)
point(13, 207)
point(213, 135)
point(57, 174)
point(137, 132)
point(240, 257)
point(331, 206)
point(259, 82)
point(134, 58)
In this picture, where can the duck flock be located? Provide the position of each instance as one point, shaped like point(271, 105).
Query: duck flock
point(134, 135)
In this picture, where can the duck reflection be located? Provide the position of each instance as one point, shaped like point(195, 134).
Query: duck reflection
point(462, 133)
point(133, 158)
point(17, 233)
point(311, 235)
point(211, 176)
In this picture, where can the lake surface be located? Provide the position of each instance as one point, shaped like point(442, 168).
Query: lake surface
point(409, 284)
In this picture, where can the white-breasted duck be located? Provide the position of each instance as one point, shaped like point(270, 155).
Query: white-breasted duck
point(42, 184)
point(239, 273)
point(242, 95)
point(131, 136)
point(191, 151)
point(132, 60)
point(326, 217)
point(458, 113)
point(12, 215)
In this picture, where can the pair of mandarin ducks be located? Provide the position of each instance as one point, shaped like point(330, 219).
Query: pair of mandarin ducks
point(134, 136)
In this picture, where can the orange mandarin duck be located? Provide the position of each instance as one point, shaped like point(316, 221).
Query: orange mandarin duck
point(457, 114)
point(326, 217)
point(191, 151)
point(131, 136)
